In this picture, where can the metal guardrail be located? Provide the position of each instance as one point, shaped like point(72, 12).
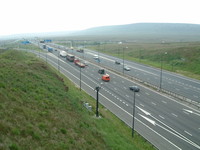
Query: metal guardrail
point(163, 91)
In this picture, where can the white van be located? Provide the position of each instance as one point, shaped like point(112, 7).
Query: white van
point(63, 54)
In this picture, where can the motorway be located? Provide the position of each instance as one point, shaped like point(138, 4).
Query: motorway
point(174, 83)
point(164, 122)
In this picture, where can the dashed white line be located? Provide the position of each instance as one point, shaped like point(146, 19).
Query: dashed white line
point(161, 117)
point(188, 133)
point(147, 93)
point(141, 105)
point(164, 102)
point(174, 115)
point(186, 112)
point(153, 103)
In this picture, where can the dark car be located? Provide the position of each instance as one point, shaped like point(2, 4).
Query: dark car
point(101, 71)
point(117, 62)
point(134, 88)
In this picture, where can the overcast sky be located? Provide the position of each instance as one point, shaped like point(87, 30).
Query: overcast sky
point(29, 16)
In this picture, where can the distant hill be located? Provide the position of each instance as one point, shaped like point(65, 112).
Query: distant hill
point(169, 32)
point(138, 32)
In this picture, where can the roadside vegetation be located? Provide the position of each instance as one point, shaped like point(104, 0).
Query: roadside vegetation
point(42, 109)
point(182, 58)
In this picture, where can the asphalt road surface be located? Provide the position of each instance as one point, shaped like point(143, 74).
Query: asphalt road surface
point(163, 121)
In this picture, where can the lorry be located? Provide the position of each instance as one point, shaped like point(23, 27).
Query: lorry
point(50, 49)
point(44, 46)
point(70, 57)
point(78, 63)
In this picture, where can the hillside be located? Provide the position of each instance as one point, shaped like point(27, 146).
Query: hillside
point(146, 32)
point(40, 109)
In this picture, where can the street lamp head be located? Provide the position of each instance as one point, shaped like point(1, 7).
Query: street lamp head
point(97, 88)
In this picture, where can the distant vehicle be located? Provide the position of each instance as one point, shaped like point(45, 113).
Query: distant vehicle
point(85, 63)
point(80, 50)
point(55, 49)
point(50, 49)
point(117, 62)
point(78, 63)
point(96, 57)
point(106, 77)
point(63, 54)
point(134, 88)
point(127, 68)
point(70, 57)
point(44, 46)
point(101, 71)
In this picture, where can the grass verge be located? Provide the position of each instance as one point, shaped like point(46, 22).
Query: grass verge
point(41, 109)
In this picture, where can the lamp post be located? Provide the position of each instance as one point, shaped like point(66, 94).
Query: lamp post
point(134, 89)
point(80, 78)
point(97, 102)
point(161, 66)
point(58, 63)
point(123, 58)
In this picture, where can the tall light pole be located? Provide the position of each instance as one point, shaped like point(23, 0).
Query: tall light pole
point(161, 70)
point(134, 89)
point(80, 78)
point(123, 58)
point(58, 63)
point(97, 101)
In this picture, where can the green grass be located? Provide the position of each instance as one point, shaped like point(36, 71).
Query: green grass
point(41, 109)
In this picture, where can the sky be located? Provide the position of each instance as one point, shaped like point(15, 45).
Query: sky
point(31, 16)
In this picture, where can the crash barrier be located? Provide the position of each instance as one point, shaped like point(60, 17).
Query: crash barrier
point(155, 87)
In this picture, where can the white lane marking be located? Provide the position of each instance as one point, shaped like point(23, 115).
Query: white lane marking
point(147, 93)
point(174, 115)
point(141, 105)
point(161, 117)
point(186, 112)
point(127, 96)
point(164, 102)
point(188, 133)
point(153, 103)
point(190, 111)
point(149, 120)
point(126, 104)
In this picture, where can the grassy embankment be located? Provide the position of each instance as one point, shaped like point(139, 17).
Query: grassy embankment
point(41, 109)
point(183, 58)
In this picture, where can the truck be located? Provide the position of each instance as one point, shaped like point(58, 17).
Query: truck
point(44, 46)
point(78, 63)
point(70, 57)
point(50, 49)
